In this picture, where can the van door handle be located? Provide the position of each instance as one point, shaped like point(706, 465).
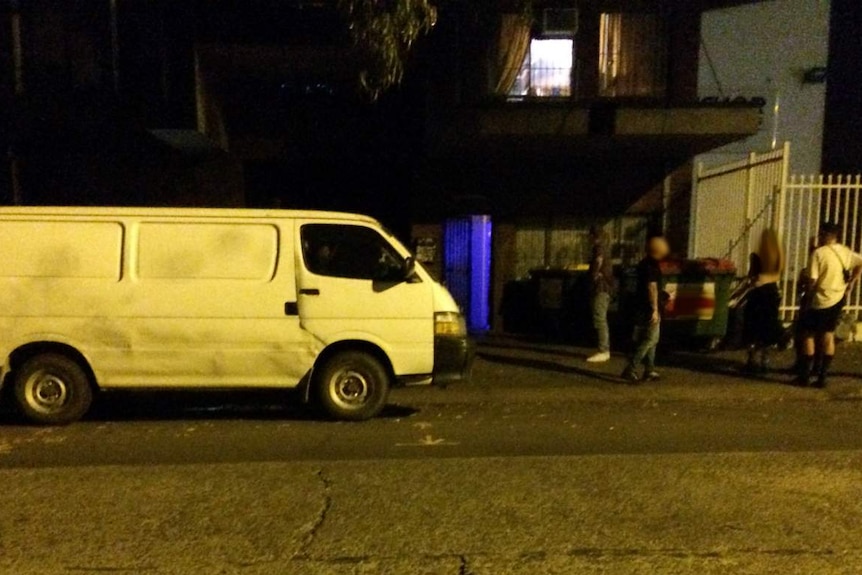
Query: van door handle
point(309, 291)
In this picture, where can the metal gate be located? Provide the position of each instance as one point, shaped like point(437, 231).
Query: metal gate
point(734, 203)
point(805, 202)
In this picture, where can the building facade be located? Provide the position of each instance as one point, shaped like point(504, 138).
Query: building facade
point(777, 51)
point(585, 113)
point(518, 124)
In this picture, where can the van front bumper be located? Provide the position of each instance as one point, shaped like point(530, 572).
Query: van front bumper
point(453, 359)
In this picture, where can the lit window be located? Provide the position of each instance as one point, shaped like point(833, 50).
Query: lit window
point(546, 71)
point(631, 55)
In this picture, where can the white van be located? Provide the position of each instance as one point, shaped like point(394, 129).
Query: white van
point(101, 298)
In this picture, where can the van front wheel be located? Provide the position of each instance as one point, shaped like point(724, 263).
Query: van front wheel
point(352, 385)
point(52, 389)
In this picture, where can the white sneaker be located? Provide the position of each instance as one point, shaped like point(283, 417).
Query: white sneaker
point(600, 357)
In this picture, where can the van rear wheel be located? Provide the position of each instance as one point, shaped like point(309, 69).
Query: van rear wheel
point(52, 389)
point(352, 385)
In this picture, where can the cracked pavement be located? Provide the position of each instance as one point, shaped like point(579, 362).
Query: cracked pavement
point(315, 525)
point(674, 513)
point(537, 468)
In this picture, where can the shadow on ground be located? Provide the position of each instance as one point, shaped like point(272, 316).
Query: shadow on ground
point(266, 405)
point(547, 365)
point(557, 357)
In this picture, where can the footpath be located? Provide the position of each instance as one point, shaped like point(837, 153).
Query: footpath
point(515, 369)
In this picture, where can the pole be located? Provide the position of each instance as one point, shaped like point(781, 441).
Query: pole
point(18, 88)
point(115, 47)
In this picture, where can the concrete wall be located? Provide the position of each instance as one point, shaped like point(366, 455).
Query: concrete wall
point(763, 50)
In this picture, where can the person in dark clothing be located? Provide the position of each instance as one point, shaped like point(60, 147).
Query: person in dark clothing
point(601, 288)
point(762, 327)
point(647, 314)
point(802, 299)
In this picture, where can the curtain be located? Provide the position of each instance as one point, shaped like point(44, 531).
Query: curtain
point(632, 55)
point(513, 43)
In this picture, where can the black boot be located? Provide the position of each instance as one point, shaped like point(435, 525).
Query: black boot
point(751, 363)
point(825, 362)
point(764, 361)
point(818, 363)
point(803, 370)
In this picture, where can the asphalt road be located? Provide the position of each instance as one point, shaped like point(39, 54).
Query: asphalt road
point(538, 467)
point(188, 431)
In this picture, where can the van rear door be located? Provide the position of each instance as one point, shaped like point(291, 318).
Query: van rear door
point(352, 285)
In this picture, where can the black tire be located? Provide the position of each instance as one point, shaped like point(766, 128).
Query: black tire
point(352, 386)
point(52, 389)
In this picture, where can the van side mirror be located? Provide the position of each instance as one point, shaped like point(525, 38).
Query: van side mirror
point(409, 269)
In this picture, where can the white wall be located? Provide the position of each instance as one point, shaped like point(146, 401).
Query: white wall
point(763, 50)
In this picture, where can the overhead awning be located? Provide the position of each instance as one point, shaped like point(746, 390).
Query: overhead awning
point(545, 157)
point(567, 131)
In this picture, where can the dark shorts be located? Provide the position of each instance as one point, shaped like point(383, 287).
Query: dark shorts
point(821, 320)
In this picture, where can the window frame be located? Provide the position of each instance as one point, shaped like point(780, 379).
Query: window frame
point(393, 272)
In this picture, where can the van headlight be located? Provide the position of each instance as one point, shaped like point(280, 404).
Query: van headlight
point(450, 323)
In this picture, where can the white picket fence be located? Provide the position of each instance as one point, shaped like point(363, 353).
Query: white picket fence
point(735, 202)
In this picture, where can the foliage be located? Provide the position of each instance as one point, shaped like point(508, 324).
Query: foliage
point(382, 33)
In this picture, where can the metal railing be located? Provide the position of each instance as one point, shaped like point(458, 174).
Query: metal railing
point(805, 202)
point(542, 82)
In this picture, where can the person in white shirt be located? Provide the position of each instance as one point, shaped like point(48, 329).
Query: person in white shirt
point(833, 270)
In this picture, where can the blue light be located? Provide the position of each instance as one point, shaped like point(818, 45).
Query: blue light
point(467, 253)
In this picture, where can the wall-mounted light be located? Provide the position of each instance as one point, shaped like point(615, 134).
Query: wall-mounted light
point(814, 75)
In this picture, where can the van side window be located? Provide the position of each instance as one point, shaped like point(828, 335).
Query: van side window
point(348, 251)
point(56, 249)
point(206, 251)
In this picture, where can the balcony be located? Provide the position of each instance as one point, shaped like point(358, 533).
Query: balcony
point(612, 82)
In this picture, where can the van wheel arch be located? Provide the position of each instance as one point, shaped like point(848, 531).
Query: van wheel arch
point(26, 352)
point(353, 345)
